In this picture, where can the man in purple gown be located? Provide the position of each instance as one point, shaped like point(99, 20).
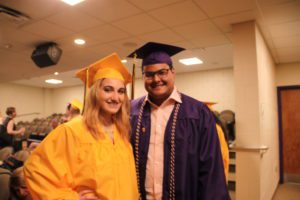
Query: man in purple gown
point(176, 146)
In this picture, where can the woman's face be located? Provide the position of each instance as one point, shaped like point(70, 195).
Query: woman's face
point(111, 95)
point(14, 114)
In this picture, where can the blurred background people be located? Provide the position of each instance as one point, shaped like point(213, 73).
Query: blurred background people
point(74, 109)
point(9, 128)
point(19, 190)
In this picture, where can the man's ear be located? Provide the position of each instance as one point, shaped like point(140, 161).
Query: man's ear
point(173, 70)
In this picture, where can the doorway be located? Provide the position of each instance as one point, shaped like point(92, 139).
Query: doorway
point(289, 133)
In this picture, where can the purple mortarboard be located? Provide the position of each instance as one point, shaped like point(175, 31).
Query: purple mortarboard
point(154, 53)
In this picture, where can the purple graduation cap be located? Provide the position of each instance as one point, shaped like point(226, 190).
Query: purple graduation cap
point(154, 53)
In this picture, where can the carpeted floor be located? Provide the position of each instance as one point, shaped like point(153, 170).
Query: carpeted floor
point(287, 191)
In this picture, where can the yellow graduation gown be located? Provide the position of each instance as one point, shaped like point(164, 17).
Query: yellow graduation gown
point(70, 160)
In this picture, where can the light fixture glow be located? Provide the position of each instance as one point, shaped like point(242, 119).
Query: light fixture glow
point(124, 61)
point(56, 73)
point(191, 61)
point(53, 81)
point(79, 41)
point(72, 2)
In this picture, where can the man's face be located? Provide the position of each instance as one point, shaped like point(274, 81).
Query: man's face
point(158, 81)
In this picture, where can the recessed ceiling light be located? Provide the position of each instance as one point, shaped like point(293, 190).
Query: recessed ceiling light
point(56, 73)
point(191, 61)
point(53, 81)
point(72, 2)
point(79, 41)
point(124, 61)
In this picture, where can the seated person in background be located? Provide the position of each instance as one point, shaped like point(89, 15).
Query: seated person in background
point(74, 109)
point(1, 119)
point(18, 186)
point(54, 123)
point(9, 128)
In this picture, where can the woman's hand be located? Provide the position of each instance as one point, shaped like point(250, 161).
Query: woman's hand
point(87, 194)
point(22, 131)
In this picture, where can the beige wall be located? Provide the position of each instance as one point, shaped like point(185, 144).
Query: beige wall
point(27, 100)
point(247, 111)
point(257, 173)
point(269, 173)
point(62, 96)
point(288, 74)
point(211, 85)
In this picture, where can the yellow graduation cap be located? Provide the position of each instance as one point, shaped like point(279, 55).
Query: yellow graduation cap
point(210, 104)
point(75, 103)
point(108, 67)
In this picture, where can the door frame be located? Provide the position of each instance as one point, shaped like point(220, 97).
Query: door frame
point(279, 90)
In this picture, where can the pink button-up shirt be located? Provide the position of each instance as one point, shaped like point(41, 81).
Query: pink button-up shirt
point(154, 169)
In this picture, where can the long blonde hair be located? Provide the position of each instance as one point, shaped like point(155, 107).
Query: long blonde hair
point(93, 114)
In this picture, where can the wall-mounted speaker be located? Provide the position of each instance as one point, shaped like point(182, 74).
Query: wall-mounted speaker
point(46, 55)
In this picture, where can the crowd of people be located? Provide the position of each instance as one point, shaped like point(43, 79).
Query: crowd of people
point(164, 145)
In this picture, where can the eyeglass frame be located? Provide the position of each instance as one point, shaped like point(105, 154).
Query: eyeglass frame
point(162, 73)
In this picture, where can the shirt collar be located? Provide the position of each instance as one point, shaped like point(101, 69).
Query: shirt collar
point(174, 96)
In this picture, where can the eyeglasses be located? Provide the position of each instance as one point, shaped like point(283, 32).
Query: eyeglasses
point(162, 73)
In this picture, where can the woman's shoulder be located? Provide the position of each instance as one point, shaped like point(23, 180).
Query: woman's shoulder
point(77, 129)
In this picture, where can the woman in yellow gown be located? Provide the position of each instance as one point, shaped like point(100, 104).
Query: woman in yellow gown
point(89, 157)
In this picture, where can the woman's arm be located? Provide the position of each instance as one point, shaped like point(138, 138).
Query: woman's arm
point(11, 131)
point(48, 171)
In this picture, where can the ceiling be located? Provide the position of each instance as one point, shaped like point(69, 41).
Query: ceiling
point(203, 27)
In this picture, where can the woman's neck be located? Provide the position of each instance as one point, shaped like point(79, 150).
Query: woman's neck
point(107, 121)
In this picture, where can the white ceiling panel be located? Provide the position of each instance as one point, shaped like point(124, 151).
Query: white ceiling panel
point(280, 13)
point(272, 2)
point(215, 8)
point(225, 22)
point(198, 30)
point(110, 10)
point(178, 14)
point(126, 46)
point(163, 36)
point(74, 20)
point(289, 58)
point(281, 42)
point(208, 41)
point(67, 43)
point(139, 24)
point(105, 33)
point(285, 29)
point(289, 51)
point(47, 30)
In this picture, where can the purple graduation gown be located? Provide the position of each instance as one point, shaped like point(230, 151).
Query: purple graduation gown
point(199, 172)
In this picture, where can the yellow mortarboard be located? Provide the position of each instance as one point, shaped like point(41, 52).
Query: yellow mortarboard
point(76, 104)
point(209, 104)
point(108, 67)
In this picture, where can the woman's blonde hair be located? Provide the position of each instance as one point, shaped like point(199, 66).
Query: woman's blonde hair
point(93, 114)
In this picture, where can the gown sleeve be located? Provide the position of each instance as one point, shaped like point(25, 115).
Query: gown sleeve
point(48, 169)
point(224, 150)
point(212, 184)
